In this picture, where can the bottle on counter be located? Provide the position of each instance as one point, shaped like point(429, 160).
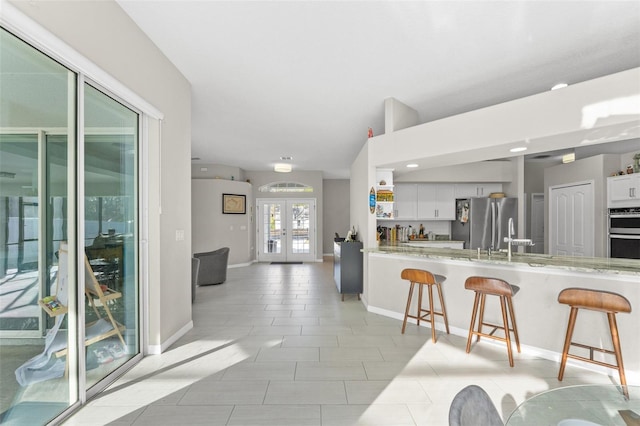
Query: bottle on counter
point(421, 232)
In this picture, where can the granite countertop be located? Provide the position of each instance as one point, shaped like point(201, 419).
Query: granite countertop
point(580, 264)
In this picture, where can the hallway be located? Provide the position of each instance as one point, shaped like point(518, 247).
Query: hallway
point(275, 345)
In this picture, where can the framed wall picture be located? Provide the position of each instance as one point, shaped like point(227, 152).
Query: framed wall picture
point(234, 204)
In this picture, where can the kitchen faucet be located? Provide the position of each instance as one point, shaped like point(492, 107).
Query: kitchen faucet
point(515, 241)
point(509, 239)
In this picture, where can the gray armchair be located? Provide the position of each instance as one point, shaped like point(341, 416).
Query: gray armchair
point(213, 266)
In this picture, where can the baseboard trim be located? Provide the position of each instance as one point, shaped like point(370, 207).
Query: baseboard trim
point(158, 349)
point(241, 265)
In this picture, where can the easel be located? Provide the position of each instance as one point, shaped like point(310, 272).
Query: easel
point(97, 295)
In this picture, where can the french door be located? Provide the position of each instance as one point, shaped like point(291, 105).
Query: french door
point(286, 230)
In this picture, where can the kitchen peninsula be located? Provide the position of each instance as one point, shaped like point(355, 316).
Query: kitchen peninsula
point(540, 318)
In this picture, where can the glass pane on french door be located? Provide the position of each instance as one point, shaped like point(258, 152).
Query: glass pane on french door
point(286, 230)
point(271, 229)
point(300, 227)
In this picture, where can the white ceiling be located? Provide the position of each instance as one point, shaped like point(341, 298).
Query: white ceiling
point(307, 78)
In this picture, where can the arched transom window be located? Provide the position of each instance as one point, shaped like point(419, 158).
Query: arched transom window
point(285, 187)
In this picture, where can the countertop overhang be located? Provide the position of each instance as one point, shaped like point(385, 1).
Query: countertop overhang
point(572, 263)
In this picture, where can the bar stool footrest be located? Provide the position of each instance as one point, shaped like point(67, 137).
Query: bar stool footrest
point(593, 361)
point(593, 348)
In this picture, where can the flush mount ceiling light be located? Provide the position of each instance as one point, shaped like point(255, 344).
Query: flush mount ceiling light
point(518, 149)
point(559, 86)
point(569, 158)
point(412, 165)
point(282, 168)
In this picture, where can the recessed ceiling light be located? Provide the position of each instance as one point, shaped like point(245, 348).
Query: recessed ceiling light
point(559, 86)
point(518, 149)
point(412, 165)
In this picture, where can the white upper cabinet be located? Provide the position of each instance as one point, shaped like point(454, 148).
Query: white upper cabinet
point(436, 201)
point(467, 190)
point(624, 191)
point(406, 201)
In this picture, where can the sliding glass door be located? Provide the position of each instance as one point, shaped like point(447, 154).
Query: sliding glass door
point(110, 230)
point(69, 276)
point(38, 344)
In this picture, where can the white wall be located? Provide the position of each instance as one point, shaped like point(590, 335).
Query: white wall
point(363, 178)
point(336, 211)
point(477, 172)
point(398, 116)
point(132, 59)
point(212, 229)
point(596, 110)
point(216, 171)
point(627, 159)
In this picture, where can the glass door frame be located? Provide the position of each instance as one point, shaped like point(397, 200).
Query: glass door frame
point(142, 224)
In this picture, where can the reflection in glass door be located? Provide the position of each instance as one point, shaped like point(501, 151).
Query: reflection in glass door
point(38, 355)
point(286, 230)
point(110, 228)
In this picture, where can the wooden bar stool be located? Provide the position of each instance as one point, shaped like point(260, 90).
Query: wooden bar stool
point(505, 291)
point(422, 278)
point(595, 300)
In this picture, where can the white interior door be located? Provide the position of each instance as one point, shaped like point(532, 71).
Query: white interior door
point(571, 225)
point(286, 230)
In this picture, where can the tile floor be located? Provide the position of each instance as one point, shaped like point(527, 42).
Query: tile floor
point(275, 345)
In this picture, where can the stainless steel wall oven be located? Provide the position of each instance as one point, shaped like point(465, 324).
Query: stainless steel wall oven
point(624, 233)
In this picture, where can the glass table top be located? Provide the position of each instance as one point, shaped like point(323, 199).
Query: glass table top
point(582, 405)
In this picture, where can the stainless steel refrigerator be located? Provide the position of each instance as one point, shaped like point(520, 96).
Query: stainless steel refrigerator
point(483, 222)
